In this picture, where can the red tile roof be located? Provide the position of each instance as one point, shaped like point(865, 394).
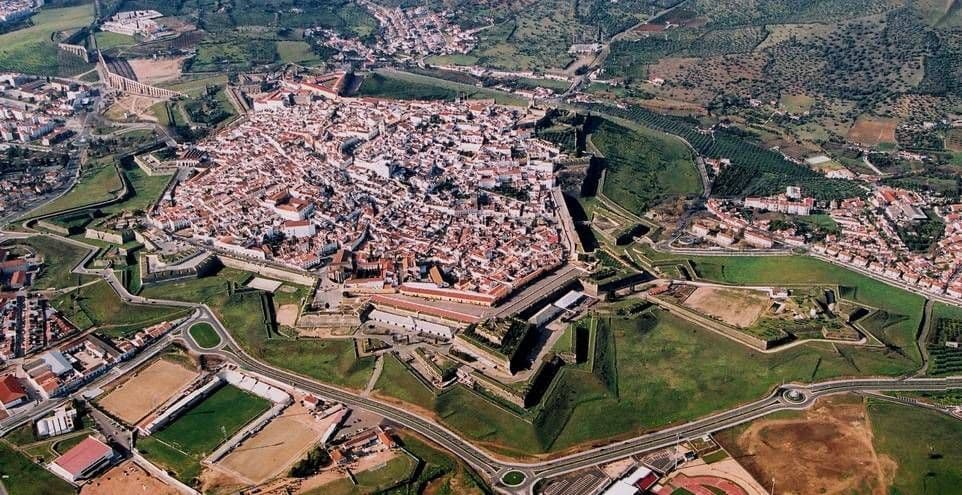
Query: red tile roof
point(11, 389)
point(81, 457)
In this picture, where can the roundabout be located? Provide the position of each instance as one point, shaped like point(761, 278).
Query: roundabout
point(794, 396)
point(513, 478)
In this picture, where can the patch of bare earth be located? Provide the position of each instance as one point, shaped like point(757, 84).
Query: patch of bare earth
point(127, 477)
point(287, 315)
point(739, 308)
point(147, 390)
point(827, 451)
point(152, 71)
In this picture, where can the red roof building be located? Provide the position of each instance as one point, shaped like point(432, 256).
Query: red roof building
point(83, 460)
point(11, 392)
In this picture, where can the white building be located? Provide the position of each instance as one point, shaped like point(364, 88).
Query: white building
point(61, 422)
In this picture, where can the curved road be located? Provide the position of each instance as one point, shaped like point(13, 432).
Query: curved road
point(492, 467)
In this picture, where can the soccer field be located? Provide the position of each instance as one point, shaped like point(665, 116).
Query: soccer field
point(181, 446)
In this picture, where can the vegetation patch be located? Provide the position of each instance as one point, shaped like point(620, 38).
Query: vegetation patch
point(205, 335)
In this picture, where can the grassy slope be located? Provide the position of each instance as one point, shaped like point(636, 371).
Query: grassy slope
point(332, 361)
point(98, 305)
point(31, 50)
point(403, 85)
point(59, 259)
point(644, 167)
point(145, 190)
point(670, 371)
point(396, 381)
point(99, 182)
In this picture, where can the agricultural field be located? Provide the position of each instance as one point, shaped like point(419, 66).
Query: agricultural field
point(147, 390)
point(298, 52)
point(535, 34)
point(181, 445)
point(945, 327)
point(873, 132)
point(33, 49)
point(853, 68)
point(755, 170)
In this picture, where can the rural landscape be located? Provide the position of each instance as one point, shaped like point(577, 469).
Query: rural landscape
point(558, 247)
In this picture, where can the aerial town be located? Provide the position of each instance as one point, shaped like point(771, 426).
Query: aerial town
point(658, 247)
point(408, 190)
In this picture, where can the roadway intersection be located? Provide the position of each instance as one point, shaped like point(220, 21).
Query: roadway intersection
point(787, 397)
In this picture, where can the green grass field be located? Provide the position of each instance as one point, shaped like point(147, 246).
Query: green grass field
point(98, 182)
point(404, 85)
point(196, 86)
point(98, 305)
point(926, 445)
point(392, 473)
point(181, 445)
point(204, 335)
point(31, 50)
point(107, 40)
point(298, 52)
point(644, 168)
point(145, 190)
point(20, 476)
point(59, 259)
point(332, 361)
point(396, 381)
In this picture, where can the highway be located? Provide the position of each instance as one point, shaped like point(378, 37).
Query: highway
point(488, 465)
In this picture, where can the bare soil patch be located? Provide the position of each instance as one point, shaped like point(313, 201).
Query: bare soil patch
point(828, 450)
point(740, 308)
point(135, 106)
point(151, 71)
point(872, 132)
point(127, 477)
point(287, 315)
point(272, 450)
point(137, 397)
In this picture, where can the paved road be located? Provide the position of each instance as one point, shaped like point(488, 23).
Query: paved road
point(493, 467)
